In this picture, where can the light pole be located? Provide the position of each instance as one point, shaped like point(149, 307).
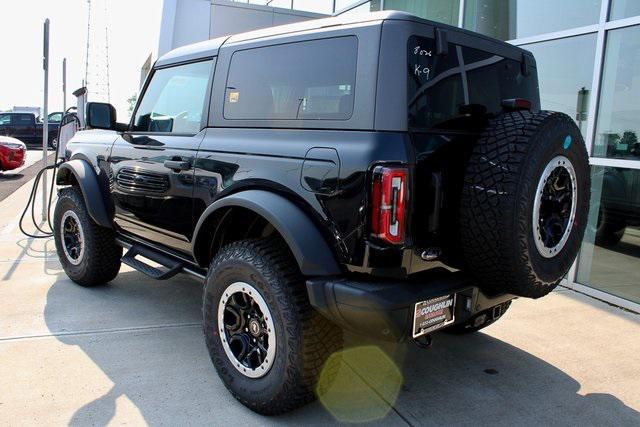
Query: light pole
point(45, 125)
point(64, 86)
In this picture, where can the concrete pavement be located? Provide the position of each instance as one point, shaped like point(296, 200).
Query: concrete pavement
point(132, 352)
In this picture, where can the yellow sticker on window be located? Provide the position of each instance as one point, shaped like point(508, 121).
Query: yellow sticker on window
point(234, 96)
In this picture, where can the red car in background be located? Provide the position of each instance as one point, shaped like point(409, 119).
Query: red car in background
point(12, 153)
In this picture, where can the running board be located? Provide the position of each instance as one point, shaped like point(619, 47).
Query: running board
point(170, 267)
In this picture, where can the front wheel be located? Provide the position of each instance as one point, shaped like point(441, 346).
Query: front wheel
point(266, 342)
point(88, 252)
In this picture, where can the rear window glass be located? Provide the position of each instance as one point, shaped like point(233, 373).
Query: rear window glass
point(312, 80)
point(435, 84)
point(439, 85)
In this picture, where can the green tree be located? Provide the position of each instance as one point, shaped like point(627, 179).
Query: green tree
point(132, 103)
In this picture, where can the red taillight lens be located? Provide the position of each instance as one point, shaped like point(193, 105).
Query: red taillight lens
point(389, 194)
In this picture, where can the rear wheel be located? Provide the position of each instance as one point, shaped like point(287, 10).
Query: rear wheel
point(265, 340)
point(525, 202)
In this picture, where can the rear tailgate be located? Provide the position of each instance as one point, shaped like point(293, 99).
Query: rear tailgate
point(448, 82)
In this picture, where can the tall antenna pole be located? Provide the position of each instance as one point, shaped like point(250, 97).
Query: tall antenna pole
point(86, 65)
point(97, 79)
point(106, 38)
point(64, 85)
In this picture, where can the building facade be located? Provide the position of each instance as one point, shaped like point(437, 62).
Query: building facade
point(588, 56)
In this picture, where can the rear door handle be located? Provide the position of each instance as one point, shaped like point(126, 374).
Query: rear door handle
point(177, 165)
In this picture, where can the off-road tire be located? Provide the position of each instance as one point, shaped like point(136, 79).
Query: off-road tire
point(498, 195)
point(100, 262)
point(304, 338)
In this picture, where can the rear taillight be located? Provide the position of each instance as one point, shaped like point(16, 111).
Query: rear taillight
point(389, 195)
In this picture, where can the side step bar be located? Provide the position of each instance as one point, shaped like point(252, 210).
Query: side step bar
point(170, 267)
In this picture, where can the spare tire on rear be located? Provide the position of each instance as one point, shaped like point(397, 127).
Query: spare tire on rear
point(525, 202)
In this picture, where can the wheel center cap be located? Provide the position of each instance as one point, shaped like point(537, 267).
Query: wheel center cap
point(254, 327)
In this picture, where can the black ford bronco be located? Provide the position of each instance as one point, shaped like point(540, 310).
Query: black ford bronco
point(386, 175)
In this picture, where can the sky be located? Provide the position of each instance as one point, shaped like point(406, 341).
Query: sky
point(133, 34)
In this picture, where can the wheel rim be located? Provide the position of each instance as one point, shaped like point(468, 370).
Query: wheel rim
point(72, 237)
point(246, 330)
point(554, 208)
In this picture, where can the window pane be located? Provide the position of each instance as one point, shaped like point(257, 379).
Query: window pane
point(446, 11)
point(316, 6)
point(610, 255)
point(294, 81)
point(174, 100)
point(619, 110)
point(566, 85)
point(363, 9)
point(341, 4)
point(511, 19)
point(624, 9)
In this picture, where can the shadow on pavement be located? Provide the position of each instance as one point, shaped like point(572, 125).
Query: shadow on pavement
point(10, 177)
point(154, 354)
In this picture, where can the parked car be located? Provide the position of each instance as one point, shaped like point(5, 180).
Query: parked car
point(12, 153)
point(26, 128)
point(619, 205)
point(55, 117)
point(383, 174)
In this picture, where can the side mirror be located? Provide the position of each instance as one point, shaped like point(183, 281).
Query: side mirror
point(100, 115)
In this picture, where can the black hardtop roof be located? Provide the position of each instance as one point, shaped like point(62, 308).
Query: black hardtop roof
point(210, 48)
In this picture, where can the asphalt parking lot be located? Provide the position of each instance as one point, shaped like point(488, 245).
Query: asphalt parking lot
point(12, 180)
point(132, 352)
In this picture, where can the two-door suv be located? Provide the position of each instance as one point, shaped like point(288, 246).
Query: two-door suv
point(383, 174)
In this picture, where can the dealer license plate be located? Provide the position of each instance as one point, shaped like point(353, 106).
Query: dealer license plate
point(433, 314)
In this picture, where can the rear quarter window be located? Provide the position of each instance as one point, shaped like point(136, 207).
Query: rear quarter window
point(311, 80)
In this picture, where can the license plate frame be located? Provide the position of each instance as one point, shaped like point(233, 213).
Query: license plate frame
point(433, 314)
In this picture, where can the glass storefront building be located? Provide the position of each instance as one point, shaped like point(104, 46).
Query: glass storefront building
point(588, 56)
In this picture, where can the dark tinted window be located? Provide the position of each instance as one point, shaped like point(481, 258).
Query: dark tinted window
point(24, 119)
point(5, 119)
point(440, 86)
point(435, 84)
point(493, 78)
point(312, 80)
point(174, 100)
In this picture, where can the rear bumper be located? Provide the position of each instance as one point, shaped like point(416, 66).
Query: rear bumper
point(385, 309)
point(12, 159)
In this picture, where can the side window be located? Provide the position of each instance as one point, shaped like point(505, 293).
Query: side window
point(5, 119)
point(24, 119)
point(312, 80)
point(174, 99)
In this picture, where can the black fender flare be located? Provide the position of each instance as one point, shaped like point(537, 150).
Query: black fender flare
point(87, 179)
point(309, 247)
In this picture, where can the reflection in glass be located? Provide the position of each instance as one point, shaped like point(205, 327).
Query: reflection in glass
point(511, 19)
point(316, 6)
point(446, 11)
point(618, 123)
point(610, 255)
point(566, 85)
point(624, 9)
point(363, 9)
